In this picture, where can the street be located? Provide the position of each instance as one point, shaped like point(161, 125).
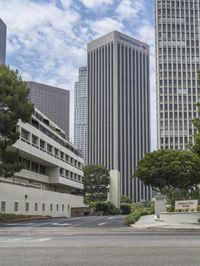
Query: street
point(100, 240)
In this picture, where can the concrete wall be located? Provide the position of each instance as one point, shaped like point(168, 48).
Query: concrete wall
point(114, 192)
point(11, 193)
point(180, 217)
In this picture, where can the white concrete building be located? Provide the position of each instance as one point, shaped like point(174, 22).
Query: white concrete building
point(51, 181)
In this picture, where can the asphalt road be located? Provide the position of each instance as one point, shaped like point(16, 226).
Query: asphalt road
point(95, 241)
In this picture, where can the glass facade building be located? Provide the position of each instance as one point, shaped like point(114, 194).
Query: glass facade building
point(80, 112)
point(118, 108)
point(2, 42)
point(178, 63)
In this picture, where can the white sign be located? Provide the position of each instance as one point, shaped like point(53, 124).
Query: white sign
point(186, 205)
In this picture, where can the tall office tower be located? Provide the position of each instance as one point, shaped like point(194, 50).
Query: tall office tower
point(2, 42)
point(80, 112)
point(178, 61)
point(53, 102)
point(118, 108)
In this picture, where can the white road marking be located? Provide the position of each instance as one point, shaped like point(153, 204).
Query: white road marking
point(103, 223)
point(25, 240)
point(61, 224)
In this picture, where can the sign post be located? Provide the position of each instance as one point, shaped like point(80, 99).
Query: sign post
point(160, 205)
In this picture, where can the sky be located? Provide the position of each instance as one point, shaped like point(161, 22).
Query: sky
point(47, 39)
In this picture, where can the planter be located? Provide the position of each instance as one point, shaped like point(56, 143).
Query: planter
point(180, 217)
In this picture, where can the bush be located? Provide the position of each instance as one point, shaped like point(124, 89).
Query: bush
point(108, 208)
point(135, 215)
point(132, 218)
point(125, 199)
point(125, 208)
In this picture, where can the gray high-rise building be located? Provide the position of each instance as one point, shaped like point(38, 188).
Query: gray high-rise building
point(2, 42)
point(178, 62)
point(53, 102)
point(119, 108)
point(80, 112)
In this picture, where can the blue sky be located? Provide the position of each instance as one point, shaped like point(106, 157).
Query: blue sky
point(47, 39)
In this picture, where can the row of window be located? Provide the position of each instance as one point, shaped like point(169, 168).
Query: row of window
point(36, 207)
point(48, 132)
point(170, 90)
point(42, 145)
point(192, 43)
point(34, 167)
point(67, 174)
point(175, 140)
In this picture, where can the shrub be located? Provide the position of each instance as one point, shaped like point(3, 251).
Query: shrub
point(125, 208)
point(108, 208)
point(132, 218)
point(125, 199)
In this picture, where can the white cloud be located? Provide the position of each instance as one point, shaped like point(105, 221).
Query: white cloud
point(129, 9)
point(47, 40)
point(93, 4)
point(106, 25)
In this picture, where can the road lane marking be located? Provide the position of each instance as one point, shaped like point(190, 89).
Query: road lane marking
point(61, 224)
point(101, 224)
point(22, 239)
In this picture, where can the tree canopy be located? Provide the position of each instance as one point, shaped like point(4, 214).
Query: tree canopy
point(14, 105)
point(96, 180)
point(169, 169)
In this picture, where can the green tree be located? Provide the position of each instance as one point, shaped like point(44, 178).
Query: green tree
point(96, 180)
point(14, 105)
point(169, 169)
point(196, 122)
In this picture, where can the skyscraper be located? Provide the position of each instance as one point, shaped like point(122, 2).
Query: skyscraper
point(80, 112)
point(53, 102)
point(2, 42)
point(178, 61)
point(118, 107)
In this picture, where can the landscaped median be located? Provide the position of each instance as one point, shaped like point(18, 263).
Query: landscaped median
point(4, 217)
point(137, 212)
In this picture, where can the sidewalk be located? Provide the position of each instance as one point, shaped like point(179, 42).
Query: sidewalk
point(148, 222)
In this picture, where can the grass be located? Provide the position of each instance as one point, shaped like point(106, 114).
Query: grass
point(4, 217)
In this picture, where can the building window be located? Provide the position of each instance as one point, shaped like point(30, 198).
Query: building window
point(26, 164)
point(63, 207)
point(66, 173)
point(61, 171)
point(25, 134)
point(16, 206)
point(36, 207)
point(34, 167)
point(49, 148)
point(66, 158)
point(3, 206)
point(56, 152)
point(61, 155)
point(34, 140)
point(27, 207)
point(51, 207)
point(42, 144)
point(57, 207)
point(42, 170)
point(43, 207)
